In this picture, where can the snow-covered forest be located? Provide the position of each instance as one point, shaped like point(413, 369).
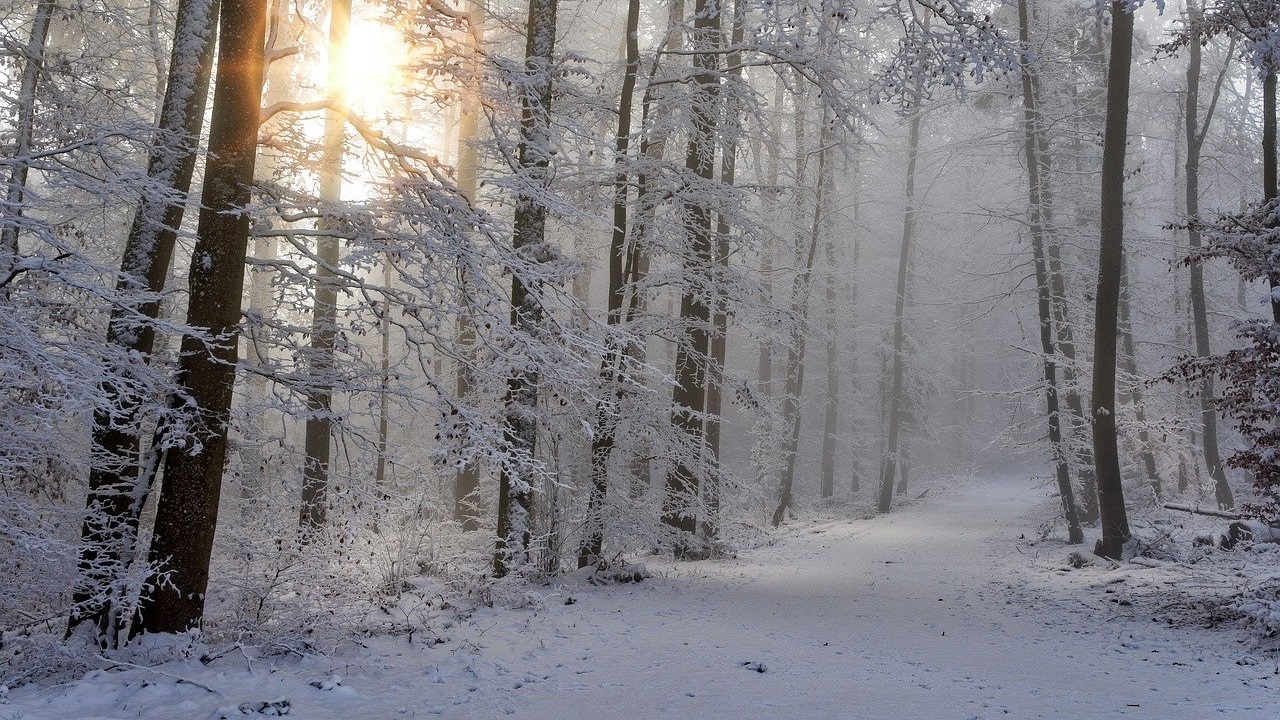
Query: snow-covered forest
point(688, 358)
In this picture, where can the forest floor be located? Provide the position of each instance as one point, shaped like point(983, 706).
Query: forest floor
point(949, 607)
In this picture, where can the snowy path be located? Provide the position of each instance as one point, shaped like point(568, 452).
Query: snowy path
point(926, 613)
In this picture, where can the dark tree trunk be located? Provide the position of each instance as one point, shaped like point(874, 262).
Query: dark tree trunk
point(1037, 181)
point(1269, 189)
point(680, 500)
point(515, 482)
point(187, 514)
point(608, 412)
point(1115, 521)
point(117, 490)
point(720, 312)
point(1195, 136)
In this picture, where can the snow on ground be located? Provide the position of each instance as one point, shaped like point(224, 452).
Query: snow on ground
point(946, 608)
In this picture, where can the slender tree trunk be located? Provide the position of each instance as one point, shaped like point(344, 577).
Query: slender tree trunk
point(515, 481)
point(855, 475)
point(769, 203)
point(1037, 180)
point(1115, 522)
point(890, 459)
point(1079, 438)
point(467, 482)
point(800, 292)
point(720, 312)
point(831, 421)
point(187, 514)
point(278, 84)
point(679, 502)
point(1133, 390)
point(384, 385)
point(608, 412)
point(117, 489)
point(1195, 137)
point(653, 145)
point(24, 130)
point(319, 429)
point(1269, 189)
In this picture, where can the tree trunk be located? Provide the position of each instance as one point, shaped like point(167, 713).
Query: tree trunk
point(24, 130)
point(319, 430)
point(187, 514)
point(800, 292)
point(1133, 390)
point(1115, 522)
point(679, 502)
point(769, 203)
point(384, 385)
point(1269, 188)
point(279, 83)
point(467, 482)
point(855, 475)
point(117, 491)
point(608, 412)
point(831, 421)
point(515, 481)
point(890, 459)
point(720, 312)
point(1195, 137)
point(1037, 181)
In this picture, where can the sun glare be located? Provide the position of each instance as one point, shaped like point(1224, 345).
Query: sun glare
point(372, 73)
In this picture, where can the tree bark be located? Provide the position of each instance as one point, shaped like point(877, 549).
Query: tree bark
point(1133, 390)
point(1269, 189)
point(1115, 522)
point(515, 481)
point(24, 130)
point(467, 481)
point(320, 356)
point(1037, 179)
point(800, 292)
point(1195, 136)
point(680, 500)
point(720, 312)
point(890, 459)
point(831, 420)
point(608, 411)
point(117, 489)
point(187, 514)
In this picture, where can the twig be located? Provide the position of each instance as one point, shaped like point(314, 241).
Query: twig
point(177, 678)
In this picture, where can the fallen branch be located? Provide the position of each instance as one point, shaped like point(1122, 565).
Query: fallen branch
point(178, 679)
point(1196, 510)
